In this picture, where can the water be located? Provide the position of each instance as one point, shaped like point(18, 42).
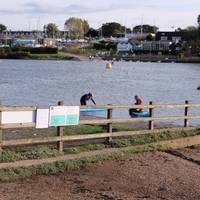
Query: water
point(43, 83)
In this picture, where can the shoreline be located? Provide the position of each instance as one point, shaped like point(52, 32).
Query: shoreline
point(77, 57)
point(161, 59)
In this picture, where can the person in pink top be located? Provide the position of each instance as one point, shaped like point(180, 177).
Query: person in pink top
point(138, 101)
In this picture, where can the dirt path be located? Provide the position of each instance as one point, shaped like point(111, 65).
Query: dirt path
point(149, 176)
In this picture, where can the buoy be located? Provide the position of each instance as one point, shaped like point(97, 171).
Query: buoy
point(109, 65)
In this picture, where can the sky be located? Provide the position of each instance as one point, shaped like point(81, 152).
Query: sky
point(33, 14)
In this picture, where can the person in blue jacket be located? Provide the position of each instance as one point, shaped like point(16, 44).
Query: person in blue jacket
point(85, 98)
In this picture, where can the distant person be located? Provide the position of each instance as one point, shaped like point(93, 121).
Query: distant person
point(138, 101)
point(85, 98)
point(91, 58)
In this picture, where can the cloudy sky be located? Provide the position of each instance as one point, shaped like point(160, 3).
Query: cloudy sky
point(33, 14)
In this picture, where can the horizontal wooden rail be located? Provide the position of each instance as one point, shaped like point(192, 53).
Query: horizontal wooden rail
point(87, 136)
point(113, 106)
point(104, 121)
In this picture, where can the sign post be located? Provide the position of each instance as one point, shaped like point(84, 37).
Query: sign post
point(60, 116)
point(60, 131)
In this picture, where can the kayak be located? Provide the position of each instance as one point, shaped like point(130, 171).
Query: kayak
point(86, 111)
point(138, 114)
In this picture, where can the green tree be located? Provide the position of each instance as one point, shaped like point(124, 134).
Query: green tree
point(146, 28)
point(76, 27)
point(2, 28)
point(112, 29)
point(198, 20)
point(92, 33)
point(52, 30)
point(150, 37)
point(190, 33)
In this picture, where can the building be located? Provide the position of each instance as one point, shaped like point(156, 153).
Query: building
point(134, 36)
point(169, 36)
point(24, 42)
point(28, 34)
point(124, 47)
point(152, 47)
point(22, 34)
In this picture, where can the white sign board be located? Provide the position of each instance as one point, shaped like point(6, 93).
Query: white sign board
point(64, 115)
point(17, 117)
point(42, 118)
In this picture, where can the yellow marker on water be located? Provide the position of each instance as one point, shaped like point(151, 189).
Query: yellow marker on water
point(109, 65)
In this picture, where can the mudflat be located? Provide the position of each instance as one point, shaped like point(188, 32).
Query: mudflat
point(157, 175)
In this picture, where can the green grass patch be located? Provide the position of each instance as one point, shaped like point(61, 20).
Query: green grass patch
point(152, 137)
point(123, 127)
point(83, 129)
point(57, 56)
point(84, 51)
point(92, 129)
point(10, 156)
point(86, 147)
point(34, 153)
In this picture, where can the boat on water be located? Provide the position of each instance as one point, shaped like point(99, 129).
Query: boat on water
point(92, 111)
point(143, 113)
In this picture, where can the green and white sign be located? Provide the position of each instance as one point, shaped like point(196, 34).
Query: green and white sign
point(64, 115)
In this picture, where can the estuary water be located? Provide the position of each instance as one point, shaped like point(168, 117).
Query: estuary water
point(43, 83)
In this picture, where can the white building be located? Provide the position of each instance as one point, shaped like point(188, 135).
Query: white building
point(124, 47)
point(25, 42)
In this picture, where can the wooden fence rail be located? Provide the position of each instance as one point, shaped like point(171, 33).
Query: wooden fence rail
point(60, 138)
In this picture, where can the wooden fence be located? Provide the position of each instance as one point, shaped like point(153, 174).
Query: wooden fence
point(61, 138)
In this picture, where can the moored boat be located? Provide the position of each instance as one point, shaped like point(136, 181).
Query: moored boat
point(138, 114)
point(89, 111)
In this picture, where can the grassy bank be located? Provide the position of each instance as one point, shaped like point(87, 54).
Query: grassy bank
point(134, 144)
point(58, 56)
point(12, 174)
point(47, 151)
point(45, 53)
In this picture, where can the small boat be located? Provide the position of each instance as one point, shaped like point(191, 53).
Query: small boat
point(138, 114)
point(89, 111)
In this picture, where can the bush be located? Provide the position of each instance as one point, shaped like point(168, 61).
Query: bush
point(105, 46)
point(2, 51)
point(18, 55)
point(44, 50)
point(33, 50)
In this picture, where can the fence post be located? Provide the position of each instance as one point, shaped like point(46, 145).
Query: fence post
point(1, 135)
point(1, 140)
point(60, 131)
point(151, 113)
point(186, 123)
point(109, 125)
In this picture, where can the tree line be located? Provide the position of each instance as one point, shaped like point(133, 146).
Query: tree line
point(79, 28)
